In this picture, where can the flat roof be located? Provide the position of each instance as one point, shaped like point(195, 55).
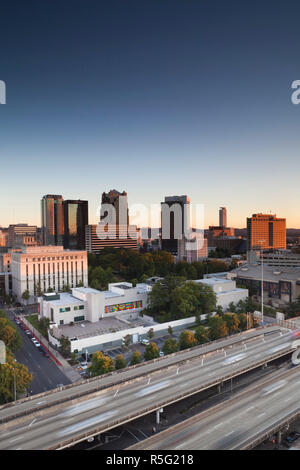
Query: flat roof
point(252, 271)
point(65, 299)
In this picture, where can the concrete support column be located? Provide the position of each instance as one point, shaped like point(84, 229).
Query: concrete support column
point(279, 437)
point(158, 415)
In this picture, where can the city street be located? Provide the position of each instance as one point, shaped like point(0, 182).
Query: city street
point(46, 374)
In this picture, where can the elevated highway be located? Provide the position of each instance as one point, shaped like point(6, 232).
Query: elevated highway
point(57, 420)
point(239, 423)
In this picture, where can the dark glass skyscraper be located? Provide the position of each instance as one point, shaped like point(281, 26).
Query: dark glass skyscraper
point(75, 220)
point(52, 219)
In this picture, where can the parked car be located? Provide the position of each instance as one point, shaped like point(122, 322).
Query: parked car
point(292, 437)
point(161, 353)
point(41, 349)
point(145, 342)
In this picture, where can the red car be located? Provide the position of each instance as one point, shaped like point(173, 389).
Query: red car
point(295, 334)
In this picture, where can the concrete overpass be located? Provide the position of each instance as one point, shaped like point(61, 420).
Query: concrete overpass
point(60, 419)
point(239, 423)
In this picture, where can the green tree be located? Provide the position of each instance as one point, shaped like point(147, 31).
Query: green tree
point(38, 289)
point(26, 295)
point(191, 299)
point(151, 352)
point(44, 324)
point(127, 340)
point(150, 333)
point(136, 358)
point(65, 346)
point(101, 364)
point(13, 373)
point(187, 339)
point(232, 322)
point(170, 330)
point(217, 328)
point(170, 346)
point(201, 335)
point(9, 333)
point(120, 362)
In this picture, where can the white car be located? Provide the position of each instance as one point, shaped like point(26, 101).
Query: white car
point(37, 344)
point(145, 342)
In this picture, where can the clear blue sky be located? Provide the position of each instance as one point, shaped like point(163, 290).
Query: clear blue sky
point(155, 97)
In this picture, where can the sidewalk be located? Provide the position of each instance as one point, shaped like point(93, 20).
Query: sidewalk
point(59, 360)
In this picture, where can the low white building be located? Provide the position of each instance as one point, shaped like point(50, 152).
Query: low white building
point(87, 304)
point(225, 290)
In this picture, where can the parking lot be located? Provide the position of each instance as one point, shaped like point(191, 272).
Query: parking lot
point(85, 360)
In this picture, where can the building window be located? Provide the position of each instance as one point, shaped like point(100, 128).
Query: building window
point(79, 318)
point(65, 309)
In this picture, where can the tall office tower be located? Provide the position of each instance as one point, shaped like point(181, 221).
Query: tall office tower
point(52, 212)
point(266, 231)
point(120, 204)
point(113, 229)
point(75, 220)
point(22, 235)
point(175, 222)
point(222, 217)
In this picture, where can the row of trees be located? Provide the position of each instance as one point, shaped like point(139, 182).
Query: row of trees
point(112, 265)
point(13, 375)
point(39, 291)
point(218, 327)
point(102, 364)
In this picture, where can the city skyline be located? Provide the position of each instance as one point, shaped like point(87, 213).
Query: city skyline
point(160, 99)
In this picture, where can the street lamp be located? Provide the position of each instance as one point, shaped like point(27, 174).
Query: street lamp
point(262, 278)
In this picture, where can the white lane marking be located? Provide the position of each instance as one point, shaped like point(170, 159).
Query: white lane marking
point(289, 399)
point(262, 414)
point(213, 373)
point(116, 393)
point(178, 369)
point(179, 447)
point(32, 422)
point(67, 420)
point(228, 434)
point(40, 402)
point(16, 439)
point(250, 408)
point(218, 425)
point(149, 380)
